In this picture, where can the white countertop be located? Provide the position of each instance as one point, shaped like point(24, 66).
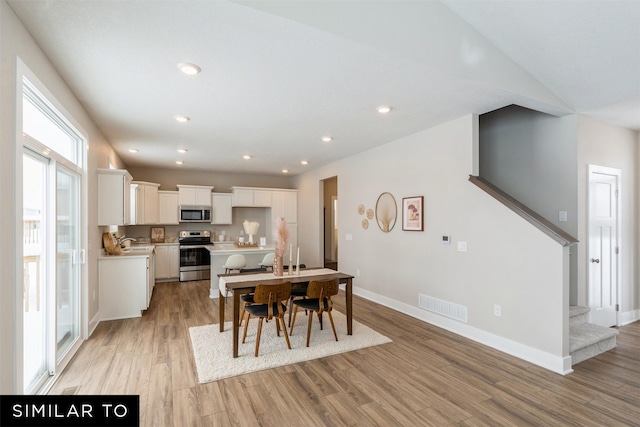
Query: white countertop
point(225, 249)
point(139, 251)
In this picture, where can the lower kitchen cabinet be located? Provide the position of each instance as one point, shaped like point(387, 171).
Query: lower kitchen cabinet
point(126, 284)
point(167, 262)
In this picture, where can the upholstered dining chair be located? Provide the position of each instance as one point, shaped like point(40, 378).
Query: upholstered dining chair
point(234, 262)
point(246, 299)
point(267, 261)
point(269, 302)
point(297, 292)
point(318, 300)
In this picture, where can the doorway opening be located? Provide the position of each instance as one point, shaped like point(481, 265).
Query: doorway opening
point(330, 223)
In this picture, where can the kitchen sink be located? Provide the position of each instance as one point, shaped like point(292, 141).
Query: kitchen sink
point(137, 249)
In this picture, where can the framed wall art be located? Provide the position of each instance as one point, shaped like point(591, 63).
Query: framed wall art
point(412, 213)
point(386, 212)
point(157, 234)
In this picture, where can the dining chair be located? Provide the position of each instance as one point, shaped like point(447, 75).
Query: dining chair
point(269, 302)
point(267, 261)
point(246, 299)
point(297, 292)
point(318, 300)
point(234, 262)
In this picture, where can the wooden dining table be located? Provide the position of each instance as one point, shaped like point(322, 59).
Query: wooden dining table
point(245, 283)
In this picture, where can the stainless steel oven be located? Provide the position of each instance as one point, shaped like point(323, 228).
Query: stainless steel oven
point(195, 260)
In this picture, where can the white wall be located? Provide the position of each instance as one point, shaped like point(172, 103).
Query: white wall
point(15, 42)
point(504, 258)
point(221, 181)
point(602, 144)
point(532, 157)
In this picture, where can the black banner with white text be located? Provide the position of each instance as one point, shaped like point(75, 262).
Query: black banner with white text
point(70, 411)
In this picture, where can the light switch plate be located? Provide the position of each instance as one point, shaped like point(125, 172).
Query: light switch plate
point(462, 246)
point(562, 216)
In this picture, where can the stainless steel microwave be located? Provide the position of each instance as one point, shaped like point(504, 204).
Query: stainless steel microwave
point(195, 214)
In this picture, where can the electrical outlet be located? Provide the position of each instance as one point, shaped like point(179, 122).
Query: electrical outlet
point(497, 310)
point(358, 273)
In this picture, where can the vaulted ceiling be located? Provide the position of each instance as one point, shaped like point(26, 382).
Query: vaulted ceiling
point(277, 76)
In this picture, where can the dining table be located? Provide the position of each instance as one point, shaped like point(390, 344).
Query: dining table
point(244, 283)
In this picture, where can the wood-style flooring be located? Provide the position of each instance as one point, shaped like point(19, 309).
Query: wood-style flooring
point(426, 377)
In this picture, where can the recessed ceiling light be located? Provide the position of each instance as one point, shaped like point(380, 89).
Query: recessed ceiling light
point(327, 138)
point(304, 162)
point(246, 157)
point(179, 162)
point(133, 150)
point(191, 69)
point(182, 119)
point(383, 109)
point(285, 170)
point(182, 150)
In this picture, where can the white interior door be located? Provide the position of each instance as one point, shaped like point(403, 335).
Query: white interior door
point(603, 244)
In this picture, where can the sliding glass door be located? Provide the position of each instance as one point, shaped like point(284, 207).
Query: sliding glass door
point(52, 228)
point(51, 260)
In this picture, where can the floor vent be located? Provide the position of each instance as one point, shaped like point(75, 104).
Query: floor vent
point(445, 308)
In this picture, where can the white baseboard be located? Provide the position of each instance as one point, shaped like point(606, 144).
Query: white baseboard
point(93, 323)
point(629, 317)
point(560, 365)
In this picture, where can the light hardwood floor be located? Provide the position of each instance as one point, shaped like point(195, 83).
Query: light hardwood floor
point(426, 377)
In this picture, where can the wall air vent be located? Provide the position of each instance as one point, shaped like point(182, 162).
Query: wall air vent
point(444, 308)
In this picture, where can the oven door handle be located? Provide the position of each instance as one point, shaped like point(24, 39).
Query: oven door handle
point(193, 247)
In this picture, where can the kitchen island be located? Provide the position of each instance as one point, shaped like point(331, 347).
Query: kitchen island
point(221, 251)
point(126, 282)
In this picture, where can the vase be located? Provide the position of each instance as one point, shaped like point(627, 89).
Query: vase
point(278, 266)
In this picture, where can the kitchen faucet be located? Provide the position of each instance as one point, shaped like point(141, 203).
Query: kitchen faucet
point(121, 240)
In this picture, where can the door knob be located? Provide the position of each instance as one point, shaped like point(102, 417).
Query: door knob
point(596, 260)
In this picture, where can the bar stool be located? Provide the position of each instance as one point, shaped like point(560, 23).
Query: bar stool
point(234, 262)
point(267, 261)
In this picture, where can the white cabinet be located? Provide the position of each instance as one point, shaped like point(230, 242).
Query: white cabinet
point(167, 207)
point(285, 205)
point(167, 261)
point(194, 195)
point(151, 277)
point(221, 208)
point(144, 202)
point(114, 187)
point(251, 197)
point(126, 284)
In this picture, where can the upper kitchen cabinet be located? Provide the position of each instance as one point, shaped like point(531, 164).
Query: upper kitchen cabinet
point(144, 203)
point(114, 188)
point(284, 203)
point(167, 207)
point(251, 197)
point(221, 208)
point(194, 195)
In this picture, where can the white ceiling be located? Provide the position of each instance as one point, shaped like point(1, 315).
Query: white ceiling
point(279, 75)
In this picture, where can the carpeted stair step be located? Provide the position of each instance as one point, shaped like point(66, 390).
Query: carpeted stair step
point(587, 340)
point(578, 315)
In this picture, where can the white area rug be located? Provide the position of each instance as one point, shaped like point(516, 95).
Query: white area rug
point(213, 349)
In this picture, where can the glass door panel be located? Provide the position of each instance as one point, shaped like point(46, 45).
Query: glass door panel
point(34, 235)
point(67, 260)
